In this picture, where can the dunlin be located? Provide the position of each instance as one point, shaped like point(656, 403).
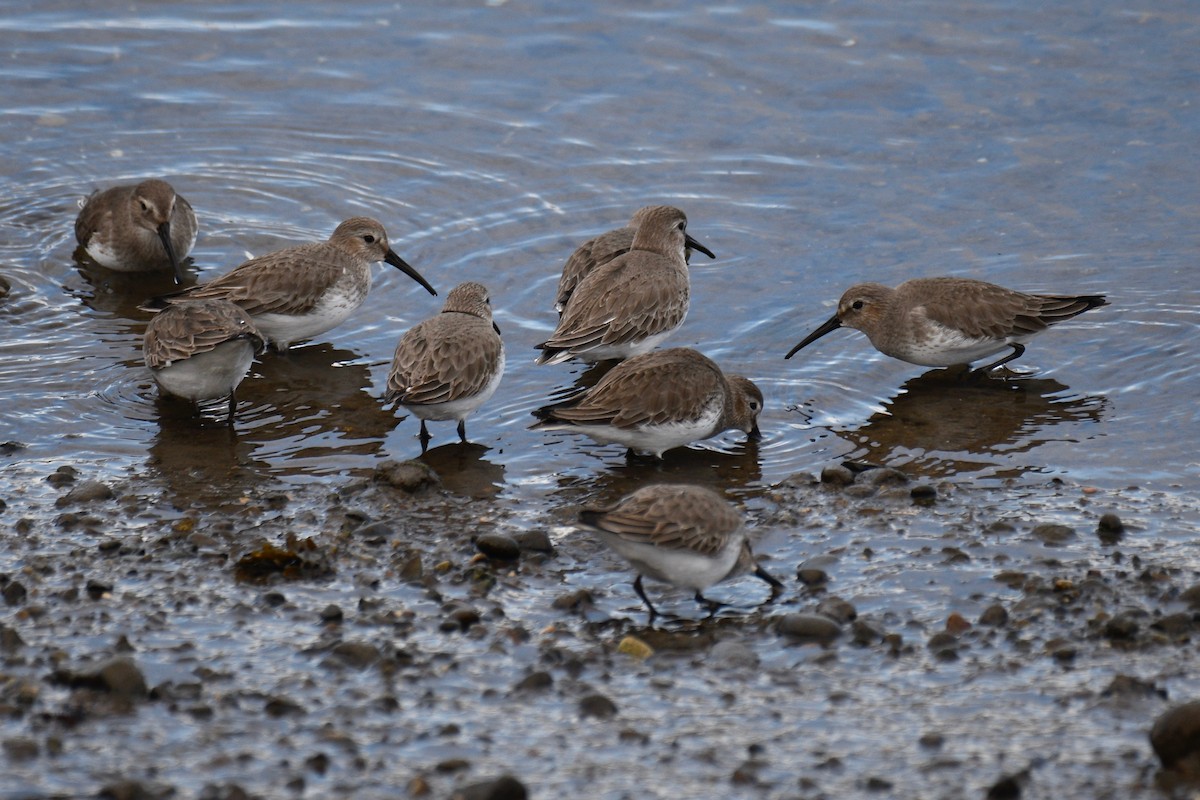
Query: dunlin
point(300, 292)
point(137, 228)
point(657, 401)
point(687, 536)
point(201, 349)
point(941, 322)
point(598, 251)
point(450, 364)
point(632, 303)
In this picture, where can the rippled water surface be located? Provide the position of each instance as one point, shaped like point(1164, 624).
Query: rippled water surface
point(809, 153)
point(1043, 147)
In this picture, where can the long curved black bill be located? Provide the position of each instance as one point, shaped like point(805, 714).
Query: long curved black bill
point(399, 263)
point(164, 235)
point(832, 324)
point(688, 241)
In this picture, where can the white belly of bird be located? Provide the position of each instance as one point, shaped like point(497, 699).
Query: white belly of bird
point(625, 349)
point(946, 347)
point(335, 307)
point(207, 376)
point(463, 407)
point(683, 568)
point(107, 256)
point(657, 438)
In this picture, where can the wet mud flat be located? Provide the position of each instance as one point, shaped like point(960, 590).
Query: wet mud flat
point(384, 636)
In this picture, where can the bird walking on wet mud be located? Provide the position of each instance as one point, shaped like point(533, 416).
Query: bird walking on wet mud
point(687, 536)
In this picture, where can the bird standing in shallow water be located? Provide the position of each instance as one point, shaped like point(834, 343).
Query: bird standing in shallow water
point(687, 536)
point(138, 228)
point(301, 292)
point(450, 364)
point(201, 349)
point(629, 305)
point(941, 322)
point(598, 251)
point(657, 401)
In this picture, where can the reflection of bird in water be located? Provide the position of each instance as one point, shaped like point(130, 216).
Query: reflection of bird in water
point(942, 423)
point(464, 471)
point(120, 293)
point(312, 412)
point(203, 463)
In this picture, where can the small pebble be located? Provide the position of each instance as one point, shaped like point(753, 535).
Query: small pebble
point(506, 787)
point(1175, 738)
point(1053, 534)
point(836, 475)
point(408, 476)
point(597, 705)
point(994, 616)
point(537, 541)
point(838, 610)
point(635, 648)
point(808, 627)
point(1110, 529)
point(86, 492)
point(535, 682)
point(498, 546)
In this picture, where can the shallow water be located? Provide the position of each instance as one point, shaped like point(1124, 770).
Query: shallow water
point(1044, 148)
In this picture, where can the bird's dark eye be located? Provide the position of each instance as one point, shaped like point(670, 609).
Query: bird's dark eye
point(857, 305)
point(369, 239)
point(145, 205)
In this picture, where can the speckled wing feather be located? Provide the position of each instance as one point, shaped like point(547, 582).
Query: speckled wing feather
point(589, 255)
point(648, 389)
point(92, 215)
point(631, 291)
point(986, 311)
point(447, 357)
point(256, 285)
point(671, 518)
point(189, 329)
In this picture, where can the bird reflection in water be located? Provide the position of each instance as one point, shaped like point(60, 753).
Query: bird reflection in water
point(464, 471)
point(311, 412)
point(119, 293)
point(202, 462)
point(304, 414)
point(949, 421)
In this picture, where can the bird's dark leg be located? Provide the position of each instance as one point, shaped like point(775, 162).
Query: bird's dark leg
point(232, 407)
point(776, 584)
point(425, 437)
point(637, 587)
point(713, 605)
point(1018, 349)
point(462, 431)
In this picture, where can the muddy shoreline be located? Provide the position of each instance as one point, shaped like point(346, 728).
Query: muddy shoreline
point(383, 636)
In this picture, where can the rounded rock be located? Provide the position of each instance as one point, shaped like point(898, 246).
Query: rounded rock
point(808, 627)
point(1175, 738)
point(597, 705)
point(498, 546)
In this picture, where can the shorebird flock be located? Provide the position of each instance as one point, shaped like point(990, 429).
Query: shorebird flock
point(621, 295)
